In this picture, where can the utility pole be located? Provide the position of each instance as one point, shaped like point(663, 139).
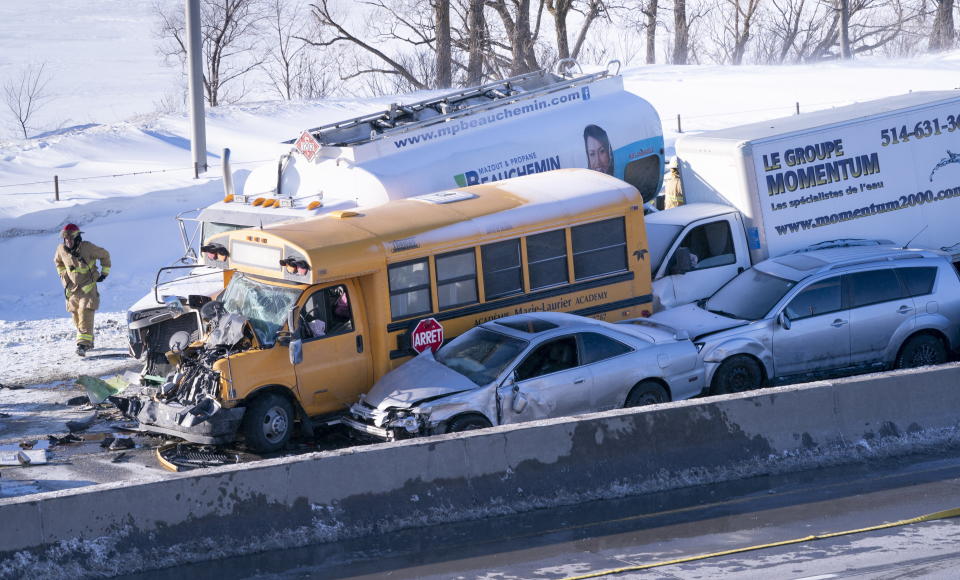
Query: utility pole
point(198, 141)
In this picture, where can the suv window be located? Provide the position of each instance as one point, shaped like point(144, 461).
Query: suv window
point(818, 298)
point(918, 281)
point(597, 347)
point(873, 287)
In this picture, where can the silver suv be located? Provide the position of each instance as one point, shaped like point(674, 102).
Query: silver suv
point(825, 312)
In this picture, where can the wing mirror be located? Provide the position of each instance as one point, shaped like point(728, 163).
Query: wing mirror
point(783, 320)
point(519, 400)
point(174, 305)
point(296, 351)
point(293, 321)
point(682, 261)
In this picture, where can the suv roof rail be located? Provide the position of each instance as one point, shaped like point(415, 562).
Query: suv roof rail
point(875, 259)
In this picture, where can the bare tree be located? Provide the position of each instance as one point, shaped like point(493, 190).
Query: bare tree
point(681, 32)
point(25, 94)
point(560, 10)
point(520, 37)
point(229, 32)
point(476, 41)
point(390, 42)
point(649, 11)
point(441, 10)
point(942, 34)
point(291, 64)
point(738, 30)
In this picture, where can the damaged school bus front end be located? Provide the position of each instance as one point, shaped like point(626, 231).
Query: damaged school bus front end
point(240, 358)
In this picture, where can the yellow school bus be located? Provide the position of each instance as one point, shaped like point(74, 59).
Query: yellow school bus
point(335, 302)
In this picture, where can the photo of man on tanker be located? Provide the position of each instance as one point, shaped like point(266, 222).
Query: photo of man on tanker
point(599, 152)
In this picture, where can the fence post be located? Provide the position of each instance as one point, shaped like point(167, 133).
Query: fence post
point(56, 188)
point(679, 128)
point(798, 107)
point(196, 170)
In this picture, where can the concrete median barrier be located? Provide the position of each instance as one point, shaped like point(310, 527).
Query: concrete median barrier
point(124, 527)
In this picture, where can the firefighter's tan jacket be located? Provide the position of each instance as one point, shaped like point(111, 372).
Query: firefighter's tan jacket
point(79, 273)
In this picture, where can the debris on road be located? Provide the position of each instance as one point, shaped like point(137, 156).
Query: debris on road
point(68, 438)
point(98, 390)
point(23, 457)
point(83, 423)
point(78, 401)
point(185, 456)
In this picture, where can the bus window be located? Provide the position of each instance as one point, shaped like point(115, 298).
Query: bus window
point(547, 259)
point(456, 279)
point(409, 288)
point(501, 269)
point(599, 248)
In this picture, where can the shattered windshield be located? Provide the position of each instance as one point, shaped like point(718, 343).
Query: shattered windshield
point(480, 354)
point(264, 305)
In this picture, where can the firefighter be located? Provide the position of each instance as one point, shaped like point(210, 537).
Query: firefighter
point(674, 189)
point(76, 262)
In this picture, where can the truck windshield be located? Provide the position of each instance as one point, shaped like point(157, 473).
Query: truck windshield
point(264, 305)
point(749, 296)
point(211, 229)
point(480, 354)
point(659, 239)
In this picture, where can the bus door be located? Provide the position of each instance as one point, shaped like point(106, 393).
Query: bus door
point(337, 364)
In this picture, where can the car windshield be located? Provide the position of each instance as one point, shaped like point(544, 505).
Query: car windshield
point(749, 296)
point(660, 237)
point(480, 354)
point(264, 305)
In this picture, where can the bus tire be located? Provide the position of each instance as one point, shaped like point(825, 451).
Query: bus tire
point(268, 423)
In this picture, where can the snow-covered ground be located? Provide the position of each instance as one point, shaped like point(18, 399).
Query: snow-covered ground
point(110, 80)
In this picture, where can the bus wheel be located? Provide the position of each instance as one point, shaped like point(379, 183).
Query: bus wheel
point(268, 423)
point(737, 374)
point(467, 423)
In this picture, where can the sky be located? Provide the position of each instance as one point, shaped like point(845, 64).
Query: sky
point(103, 126)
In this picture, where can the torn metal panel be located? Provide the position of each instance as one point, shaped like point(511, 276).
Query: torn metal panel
point(23, 457)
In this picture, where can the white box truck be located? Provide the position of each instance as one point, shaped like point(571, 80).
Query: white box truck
point(527, 124)
point(885, 170)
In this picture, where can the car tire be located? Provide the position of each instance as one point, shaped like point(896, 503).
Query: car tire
point(737, 374)
point(467, 423)
point(921, 350)
point(646, 393)
point(268, 423)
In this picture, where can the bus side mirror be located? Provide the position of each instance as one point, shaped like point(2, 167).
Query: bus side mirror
point(296, 351)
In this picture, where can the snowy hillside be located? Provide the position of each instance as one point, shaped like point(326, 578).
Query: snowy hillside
point(133, 215)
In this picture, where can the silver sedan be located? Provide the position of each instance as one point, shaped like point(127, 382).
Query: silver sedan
point(526, 367)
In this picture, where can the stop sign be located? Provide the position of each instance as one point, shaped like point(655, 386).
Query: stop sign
point(426, 334)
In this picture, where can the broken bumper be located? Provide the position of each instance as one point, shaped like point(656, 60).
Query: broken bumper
point(378, 432)
point(209, 425)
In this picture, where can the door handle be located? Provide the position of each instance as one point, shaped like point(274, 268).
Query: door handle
point(838, 323)
point(359, 343)
point(578, 381)
point(904, 309)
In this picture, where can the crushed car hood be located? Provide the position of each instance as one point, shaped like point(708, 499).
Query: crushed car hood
point(416, 380)
point(695, 320)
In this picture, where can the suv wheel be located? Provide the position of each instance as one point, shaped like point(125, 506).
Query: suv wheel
point(737, 374)
point(921, 350)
